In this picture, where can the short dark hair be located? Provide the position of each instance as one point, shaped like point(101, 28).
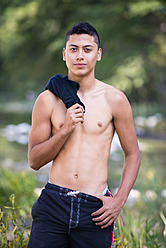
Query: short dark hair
point(83, 28)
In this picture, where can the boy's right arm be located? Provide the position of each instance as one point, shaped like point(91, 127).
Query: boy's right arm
point(43, 148)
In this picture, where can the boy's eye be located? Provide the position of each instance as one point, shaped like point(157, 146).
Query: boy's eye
point(73, 49)
point(87, 50)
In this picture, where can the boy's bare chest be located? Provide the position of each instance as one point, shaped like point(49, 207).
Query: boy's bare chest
point(97, 117)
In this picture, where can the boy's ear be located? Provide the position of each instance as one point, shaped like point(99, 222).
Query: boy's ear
point(99, 53)
point(64, 54)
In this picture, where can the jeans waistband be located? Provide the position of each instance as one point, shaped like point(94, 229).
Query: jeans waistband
point(68, 192)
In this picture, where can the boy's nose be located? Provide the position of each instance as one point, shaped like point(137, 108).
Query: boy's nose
point(80, 55)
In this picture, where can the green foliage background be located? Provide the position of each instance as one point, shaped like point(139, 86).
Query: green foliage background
point(132, 37)
point(23, 184)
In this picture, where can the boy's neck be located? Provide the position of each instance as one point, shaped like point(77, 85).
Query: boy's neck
point(86, 83)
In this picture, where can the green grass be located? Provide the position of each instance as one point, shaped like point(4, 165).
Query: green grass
point(135, 231)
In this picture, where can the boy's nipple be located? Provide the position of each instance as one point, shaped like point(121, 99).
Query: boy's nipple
point(100, 124)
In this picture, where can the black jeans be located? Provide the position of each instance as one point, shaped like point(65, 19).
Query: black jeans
point(62, 219)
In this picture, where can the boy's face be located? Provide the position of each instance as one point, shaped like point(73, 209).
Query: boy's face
point(81, 54)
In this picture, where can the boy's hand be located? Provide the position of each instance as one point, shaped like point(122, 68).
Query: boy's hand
point(110, 210)
point(74, 115)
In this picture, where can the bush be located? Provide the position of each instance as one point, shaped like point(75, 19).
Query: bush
point(22, 184)
point(13, 233)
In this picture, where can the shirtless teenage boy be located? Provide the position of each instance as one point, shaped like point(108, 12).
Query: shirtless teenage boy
point(76, 208)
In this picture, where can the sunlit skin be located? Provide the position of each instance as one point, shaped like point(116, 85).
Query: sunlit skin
point(79, 143)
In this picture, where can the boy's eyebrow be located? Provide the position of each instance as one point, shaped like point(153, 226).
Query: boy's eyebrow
point(78, 46)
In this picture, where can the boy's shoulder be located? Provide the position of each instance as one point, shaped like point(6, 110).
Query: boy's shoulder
point(46, 101)
point(112, 93)
point(47, 97)
point(116, 99)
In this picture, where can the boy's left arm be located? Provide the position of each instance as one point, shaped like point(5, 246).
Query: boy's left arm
point(123, 121)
